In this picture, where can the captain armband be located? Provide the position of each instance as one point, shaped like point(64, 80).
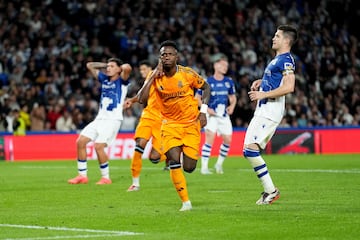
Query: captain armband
point(287, 72)
point(203, 108)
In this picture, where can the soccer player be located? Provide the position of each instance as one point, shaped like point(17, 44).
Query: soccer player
point(104, 128)
point(180, 131)
point(269, 92)
point(148, 127)
point(221, 105)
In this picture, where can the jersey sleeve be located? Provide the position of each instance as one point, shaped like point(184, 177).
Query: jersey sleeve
point(287, 66)
point(197, 80)
point(231, 90)
point(101, 76)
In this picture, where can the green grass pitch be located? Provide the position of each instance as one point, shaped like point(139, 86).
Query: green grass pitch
point(319, 200)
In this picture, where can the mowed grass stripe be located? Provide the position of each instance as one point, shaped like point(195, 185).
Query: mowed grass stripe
point(318, 200)
point(355, 171)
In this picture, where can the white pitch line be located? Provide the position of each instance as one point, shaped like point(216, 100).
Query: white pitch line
point(106, 232)
point(67, 237)
point(356, 171)
point(219, 191)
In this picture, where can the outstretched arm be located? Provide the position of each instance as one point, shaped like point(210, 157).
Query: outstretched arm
point(129, 101)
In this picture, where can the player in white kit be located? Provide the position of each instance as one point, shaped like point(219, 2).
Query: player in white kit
point(104, 128)
point(269, 92)
point(221, 105)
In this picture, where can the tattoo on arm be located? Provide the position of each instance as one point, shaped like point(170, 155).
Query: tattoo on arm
point(205, 93)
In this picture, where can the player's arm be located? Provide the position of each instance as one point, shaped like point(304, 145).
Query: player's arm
point(288, 86)
point(205, 93)
point(204, 103)
point(210, 111)
point(143, 94)
point(129, 101)
point(126, 70)
point(198, 98)
point(232, 104)
point(94, 67)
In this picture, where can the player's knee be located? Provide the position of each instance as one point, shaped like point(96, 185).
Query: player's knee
point(99, 146)
point(189, 164)
point(154, 156)
point(189, 169)
point(154, 160)
point(82, 141)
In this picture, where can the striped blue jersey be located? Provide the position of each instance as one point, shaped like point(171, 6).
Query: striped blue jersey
point(112, 98)
point(219, 94)
point(274, 108)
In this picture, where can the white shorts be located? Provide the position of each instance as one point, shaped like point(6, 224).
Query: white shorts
point(102, 131)
point(260, 131)
point(220, 125)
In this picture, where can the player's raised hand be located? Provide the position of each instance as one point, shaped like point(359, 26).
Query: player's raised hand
point(159, 69)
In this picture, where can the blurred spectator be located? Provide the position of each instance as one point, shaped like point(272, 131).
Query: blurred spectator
point(25, 116)
point(53, 114)
point(79, 120)
point(19, 125)
point(38, 117)
point(129, 122)
point(10, 120)
point(65, 122)
point(43, 50)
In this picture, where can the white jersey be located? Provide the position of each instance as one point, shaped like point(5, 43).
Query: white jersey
point(274, 108)
point(112, 99)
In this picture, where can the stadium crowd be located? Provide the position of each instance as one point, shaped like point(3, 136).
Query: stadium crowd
point(45, 44)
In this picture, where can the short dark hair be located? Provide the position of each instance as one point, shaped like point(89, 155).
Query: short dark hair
point(115, 60)
point(145, 62)
point(290, 31)
point(169, 43)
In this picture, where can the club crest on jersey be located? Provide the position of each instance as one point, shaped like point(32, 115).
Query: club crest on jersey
point(180, 84)
point(227, 85)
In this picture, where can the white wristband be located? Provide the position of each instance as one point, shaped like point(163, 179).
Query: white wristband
point(203, 108)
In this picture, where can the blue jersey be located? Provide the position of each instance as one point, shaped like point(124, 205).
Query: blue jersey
point(112, 99)
point(219, 95)
point(274, 108)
